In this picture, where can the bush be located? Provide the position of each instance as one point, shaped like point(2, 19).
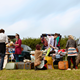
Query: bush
point(31, 42)
point(63, 42)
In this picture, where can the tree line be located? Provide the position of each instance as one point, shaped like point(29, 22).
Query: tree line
point(32, 42)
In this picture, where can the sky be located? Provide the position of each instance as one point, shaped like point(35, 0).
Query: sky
point(31, 18)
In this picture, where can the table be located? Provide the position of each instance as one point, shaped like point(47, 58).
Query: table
point(8, 54)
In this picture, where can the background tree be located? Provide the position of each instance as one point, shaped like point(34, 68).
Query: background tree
point(32, 42)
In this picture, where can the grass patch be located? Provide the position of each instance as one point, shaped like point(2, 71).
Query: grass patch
point(55, 74)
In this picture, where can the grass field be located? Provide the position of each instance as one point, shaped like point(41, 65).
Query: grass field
point(55, 74)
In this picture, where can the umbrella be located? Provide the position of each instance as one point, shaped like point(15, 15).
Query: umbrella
point(26, 48)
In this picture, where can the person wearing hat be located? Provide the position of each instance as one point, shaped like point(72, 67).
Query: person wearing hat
point(38, 58)
point(72, 53)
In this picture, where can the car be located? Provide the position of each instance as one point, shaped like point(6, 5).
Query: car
point(26, 52)
point(24, 55)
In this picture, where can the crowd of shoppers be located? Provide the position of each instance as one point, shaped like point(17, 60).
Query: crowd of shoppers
point(52, 42)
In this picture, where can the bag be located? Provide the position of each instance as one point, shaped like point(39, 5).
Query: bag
point(10, 66)
point(57, 56)
point(63, 65)
point(22, 65)
point(32, 58)
point(49, 62)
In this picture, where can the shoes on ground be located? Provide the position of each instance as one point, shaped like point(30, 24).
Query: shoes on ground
point(69, 69)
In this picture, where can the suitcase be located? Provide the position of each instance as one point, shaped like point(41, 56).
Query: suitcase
point(10, 66)
point(63, 65)
point(22, 65)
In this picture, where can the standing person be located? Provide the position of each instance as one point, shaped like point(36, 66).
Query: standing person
point(72, 53)
point(17, 47)
point(78, 57)
point(3, 42)
point(58, 40)
point(52, 42)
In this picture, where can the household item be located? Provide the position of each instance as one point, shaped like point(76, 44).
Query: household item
point(57, 56)
point(22, 65)
point(63, 65)
point(49, 62)
point(10, 66)
point(48, 52)
point(32, 58)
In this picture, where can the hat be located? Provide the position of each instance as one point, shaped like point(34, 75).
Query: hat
point(70, 36)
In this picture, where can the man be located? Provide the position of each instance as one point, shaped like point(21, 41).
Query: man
point(52, 42)
point(3, 42)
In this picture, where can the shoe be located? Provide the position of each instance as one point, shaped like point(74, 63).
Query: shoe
point(74, 69)
point(69, 69)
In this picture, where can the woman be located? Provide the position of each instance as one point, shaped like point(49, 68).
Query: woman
point(72, 53)
point(38, 59)
point(17, 47)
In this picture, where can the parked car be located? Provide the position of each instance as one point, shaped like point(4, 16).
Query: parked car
point(25, 52)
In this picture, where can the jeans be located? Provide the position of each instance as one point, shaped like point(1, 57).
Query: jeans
point(17, 57)
point(69, 61)
point(2, 61)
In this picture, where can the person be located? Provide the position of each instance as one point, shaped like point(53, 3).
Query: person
point(78, 57)
point(72, 53)
point(17, 47)
point(38, 59)
point(53, 44)
point(45, 43)
point(58, 40)
point(3, 42)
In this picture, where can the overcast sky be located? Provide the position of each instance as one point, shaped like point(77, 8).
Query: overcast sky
point(31, 18)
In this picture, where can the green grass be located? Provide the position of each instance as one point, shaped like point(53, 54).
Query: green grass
point(55, 74)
